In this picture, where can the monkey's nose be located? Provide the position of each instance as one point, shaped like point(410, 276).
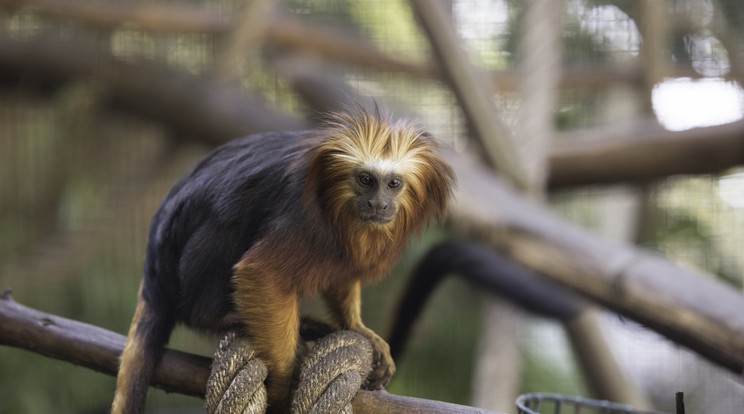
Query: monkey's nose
point(377, 204)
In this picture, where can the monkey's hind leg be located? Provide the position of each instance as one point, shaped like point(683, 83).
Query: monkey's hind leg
point(148, 334)
point(270, 316)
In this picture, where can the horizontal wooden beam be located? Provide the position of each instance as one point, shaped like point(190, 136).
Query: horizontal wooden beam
point(643, 152)
point(99, 349)
point(691, 308)
point(147, 16)
point(198, 107)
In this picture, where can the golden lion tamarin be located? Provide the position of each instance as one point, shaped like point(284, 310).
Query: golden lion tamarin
point(267, 219)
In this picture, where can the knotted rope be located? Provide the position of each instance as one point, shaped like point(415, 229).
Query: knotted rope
point(236, 384)
point(330, 375)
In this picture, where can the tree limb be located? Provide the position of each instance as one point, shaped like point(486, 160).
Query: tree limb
point(148, 16)
point(99, 349)
point(472, 90)
point(193, 106)
point(92, 347)
point(691, 308)
point(643, 152)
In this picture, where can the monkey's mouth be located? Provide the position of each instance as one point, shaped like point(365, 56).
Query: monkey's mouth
point(376, 218)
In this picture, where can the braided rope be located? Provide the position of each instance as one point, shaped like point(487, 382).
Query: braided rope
point(332, 373)
point(330, 376)
point(236, 383)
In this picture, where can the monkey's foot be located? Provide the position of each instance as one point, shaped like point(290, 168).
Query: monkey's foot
point(383, 366)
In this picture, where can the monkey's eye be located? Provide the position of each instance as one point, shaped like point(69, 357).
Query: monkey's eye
point(394, 183)
point(364, 179)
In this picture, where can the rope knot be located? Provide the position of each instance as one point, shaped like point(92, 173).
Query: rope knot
point(330, 375)
point(236, 383)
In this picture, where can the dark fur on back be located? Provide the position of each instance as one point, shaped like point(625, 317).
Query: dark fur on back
point(213, 215)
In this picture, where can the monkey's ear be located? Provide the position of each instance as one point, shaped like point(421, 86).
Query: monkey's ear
point(310, 192)
point(433, 180)
point(325, 172)
point(440, 187)
point(443, 182)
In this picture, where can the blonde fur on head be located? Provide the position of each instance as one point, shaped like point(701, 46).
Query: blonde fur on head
point(360, 140)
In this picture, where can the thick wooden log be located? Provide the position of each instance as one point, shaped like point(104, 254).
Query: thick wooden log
point(472, 90)
point(148, 16)
point(195, 107)
point(643, 152)
point(93, 347)
point(691, 308)
point(99, 349)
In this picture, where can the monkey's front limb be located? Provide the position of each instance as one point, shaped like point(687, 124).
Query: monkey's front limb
point(270, 315)
point(345, 304)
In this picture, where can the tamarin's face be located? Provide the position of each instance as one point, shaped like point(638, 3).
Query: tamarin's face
point(382, 175)
point(376, 194)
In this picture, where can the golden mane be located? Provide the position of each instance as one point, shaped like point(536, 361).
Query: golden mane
point(358, 139)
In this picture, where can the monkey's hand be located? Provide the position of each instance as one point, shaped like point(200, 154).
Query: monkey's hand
point(383, 366)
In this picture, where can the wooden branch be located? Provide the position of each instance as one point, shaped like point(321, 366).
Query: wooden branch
point(282, 29)
point(245, 40)
point(603, 375)
point(99, 349)
point(92, 347)
point(644, 152)
point(473, 92)
point(322, 90)
point(291, 32)
point(691, 308)
point(148, 16)
point(195, 106)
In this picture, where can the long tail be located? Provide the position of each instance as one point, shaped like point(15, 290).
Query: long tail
point(148, 334)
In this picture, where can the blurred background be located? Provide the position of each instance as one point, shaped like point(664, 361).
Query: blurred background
point(87, 155)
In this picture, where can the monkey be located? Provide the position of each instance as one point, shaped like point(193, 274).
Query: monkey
point(265, 220)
